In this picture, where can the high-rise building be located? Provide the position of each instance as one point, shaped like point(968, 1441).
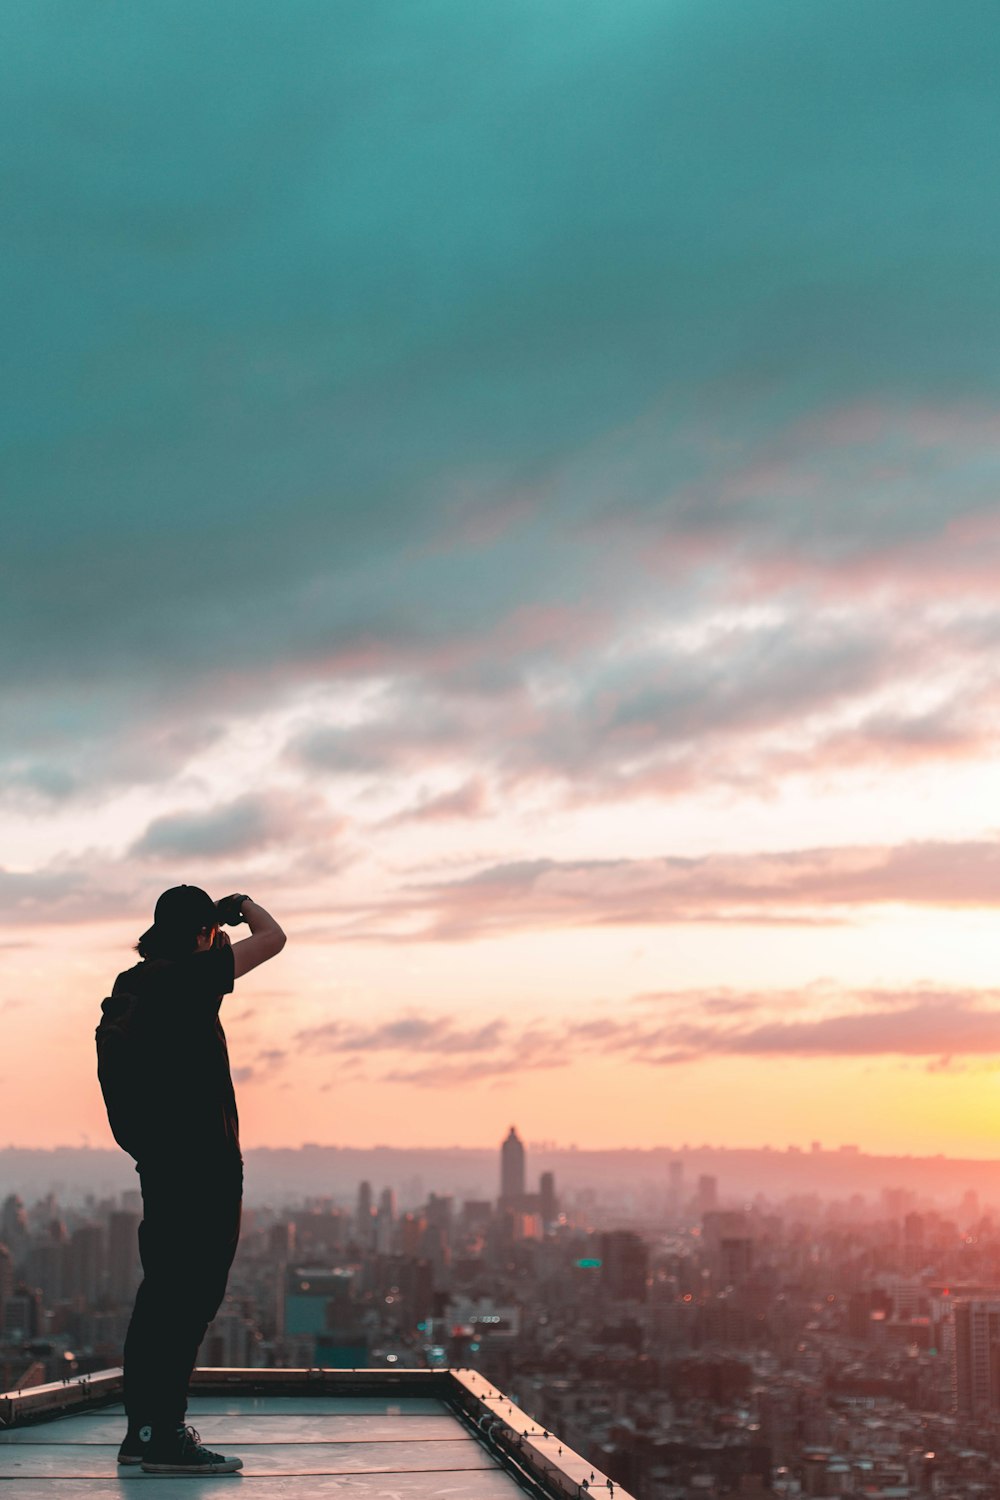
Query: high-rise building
point(232, 1339)
point(675, 1188)
point(977, 1357)
point(364, 1227)
point(281, 1242)
point(708, 1194)
point(512, 1170)
point(85, 1262)
point(477, 1213)
point(549, 1201)
point(624, 1266)
point(728, 1242)
point(320, 1234)
point(385, 1221)
point(438, 1211)
point(13, 1225)
point(6, 1277)
point(46, 1268)
point(22, 1313)
point(123, 1256)
point(319, 1316)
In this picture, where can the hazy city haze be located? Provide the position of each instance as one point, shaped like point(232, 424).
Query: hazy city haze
point(513, 488)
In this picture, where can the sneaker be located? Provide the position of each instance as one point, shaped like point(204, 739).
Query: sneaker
point(179, 1451)
point(135, 1444)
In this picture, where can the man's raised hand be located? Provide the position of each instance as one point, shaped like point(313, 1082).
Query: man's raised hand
point(229, 911)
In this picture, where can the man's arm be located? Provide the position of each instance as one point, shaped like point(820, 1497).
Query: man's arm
point(265, 940)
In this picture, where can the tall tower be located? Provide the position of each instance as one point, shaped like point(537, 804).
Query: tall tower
point(364, 1219)
point(511, 1170)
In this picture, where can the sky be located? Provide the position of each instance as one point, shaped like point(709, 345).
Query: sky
point(514, 488)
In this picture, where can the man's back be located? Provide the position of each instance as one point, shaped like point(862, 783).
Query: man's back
point(180, 1089)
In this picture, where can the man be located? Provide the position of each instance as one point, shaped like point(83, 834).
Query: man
point(164, 1071)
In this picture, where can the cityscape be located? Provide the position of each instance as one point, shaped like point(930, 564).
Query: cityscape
point(712, 1340)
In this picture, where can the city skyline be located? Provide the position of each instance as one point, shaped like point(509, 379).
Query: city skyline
point(838, 1346)
point(513, 490)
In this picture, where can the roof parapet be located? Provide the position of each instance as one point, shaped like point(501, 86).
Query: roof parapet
point(543, 1464)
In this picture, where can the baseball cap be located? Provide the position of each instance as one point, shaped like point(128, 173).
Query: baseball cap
point(179, 915)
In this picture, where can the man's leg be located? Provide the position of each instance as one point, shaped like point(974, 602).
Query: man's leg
point(187, 1241)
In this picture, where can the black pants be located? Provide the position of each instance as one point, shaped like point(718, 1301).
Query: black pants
point(187, 1239)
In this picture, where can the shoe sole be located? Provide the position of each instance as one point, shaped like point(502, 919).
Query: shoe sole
point(227, 1466)
point(129, 1460)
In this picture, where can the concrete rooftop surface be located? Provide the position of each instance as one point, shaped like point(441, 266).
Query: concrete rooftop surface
point(365, 1435)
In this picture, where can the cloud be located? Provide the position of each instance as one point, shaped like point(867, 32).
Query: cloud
point(675, 1028)
point(704, 696)
point(924, 1022)
point(524, 362)
point(405, 1033)
point(813, 886)
point(470, 800)
point(272, 1056)
point(246, 826)
point(432, 1051)
point(798, 886)
point(66, 893)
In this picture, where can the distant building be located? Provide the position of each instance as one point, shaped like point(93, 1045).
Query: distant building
point(977, 1357)
point(232, 1341)
point(22, 1313)
point(511, 1171)
point(708, 1194)
point(123, 1256)
point(675, 1187)
point(547, 1195)
point(281, 1242)
point(320, 1234)
point(319, 1316)
point(385, 1220)
point(85, 1262)
point(477, 1213)
point(624, 1266)
point(13, 1224)
point(364, 1217)
point(728, 1243)
point(6, 1277)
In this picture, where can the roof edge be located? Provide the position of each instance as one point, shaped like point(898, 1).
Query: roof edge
point(544, 1464)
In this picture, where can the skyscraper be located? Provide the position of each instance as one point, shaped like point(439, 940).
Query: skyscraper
point(512, 1170)
point(977, 1357)
point(675, 1187)
point(549, 1202)
point(124, 1270)
point(708, 1194)
point(624, 1266)
point(85, 1262)
point(13, 1225)
point(385, 1221)
point(6, 1277)
point(364, 1226)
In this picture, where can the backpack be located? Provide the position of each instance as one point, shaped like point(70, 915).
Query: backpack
point(120, 1068)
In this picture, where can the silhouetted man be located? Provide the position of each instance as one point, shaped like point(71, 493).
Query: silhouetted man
point(164, 1070)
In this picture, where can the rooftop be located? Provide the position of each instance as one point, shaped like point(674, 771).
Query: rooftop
point(360, 1435)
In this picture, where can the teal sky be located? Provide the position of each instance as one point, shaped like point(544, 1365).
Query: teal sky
point(447, 444)
point(312, 277)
